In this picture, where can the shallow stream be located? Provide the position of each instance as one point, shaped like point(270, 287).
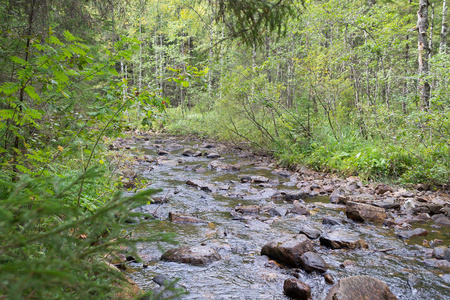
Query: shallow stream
point(242, 273)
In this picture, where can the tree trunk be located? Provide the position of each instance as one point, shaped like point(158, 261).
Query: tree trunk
point(444, 29)
point(423, 47)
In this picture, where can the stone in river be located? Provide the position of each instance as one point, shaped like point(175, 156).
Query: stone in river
point(332, 221)
point(288, 251)
point(360, 288)
point(297, 289)
point(299, 209)
point(197, 255)
point(188, 152)
point(312, 261)
point(204, 186)
point(412, 233)
point(310, 232)
point(248, 209)
point(342, 239)
point(218, 165)
point(213, 155)
point(363, 212)
point(162, 152)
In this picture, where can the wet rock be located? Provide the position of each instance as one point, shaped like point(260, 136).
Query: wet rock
point(412, 233)
point(382, 188)
point(446, 278)
point(421, 218)
point(360, 288)
point(434, 208)
point(208, 146)
point(188, 152)
point(299, 209)
point(361, 198)
point(438, 263)
point(201, 185)
point(167, 163)
point(197, 255)
point(218, 165)
point(413, 281)
point(332, 221)
point(296, 289)
point(289, 196)
point(162, 152)
point(422, 187)
point(347, 263)
point(180, 218)
point(197, 154)
point(441, 253)
point(342, 239)
point(338, 196)
point(388, 203)
point(310, 232)
point(363, 212)
point(248, 209)
point(288, 251)
point(259, 179)
point(213, 155)
point(328, 279)
point(277, 211)
point(312, 261)
point(442, 220)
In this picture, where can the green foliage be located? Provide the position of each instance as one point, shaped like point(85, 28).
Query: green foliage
point(53, 249)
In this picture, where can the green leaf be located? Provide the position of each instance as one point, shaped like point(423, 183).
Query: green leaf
point(185, 83)
point(19, 60)
point(31, 91)
point(69, 37)
point(55, 40)
point(9, 88)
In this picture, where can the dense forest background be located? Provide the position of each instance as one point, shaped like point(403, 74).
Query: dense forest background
point(357, 87)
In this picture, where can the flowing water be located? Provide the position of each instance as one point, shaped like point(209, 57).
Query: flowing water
point(242, 273)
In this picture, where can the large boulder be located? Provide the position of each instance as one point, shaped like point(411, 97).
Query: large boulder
point(364, 212)
point(297, 289)
point(360, 288)
point(342, 239)
point(201, 185)
point(310, 232)
point(405, 235)
point(288, 251)
point(197, 255)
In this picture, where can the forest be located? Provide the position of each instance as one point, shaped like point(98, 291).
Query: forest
point(354, 88)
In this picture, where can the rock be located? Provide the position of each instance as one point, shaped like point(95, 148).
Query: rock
point(297, 289)
point(167, 163)
point(347, 263)
point(208, 146)
point(188, 152)
point(299, 209)
point(248, 209)
point(197, 255)
point(361, 198)
point(442, 220)
point(388, 203)
point(360, 288)
point(282, 172)
point(364, 212)
point(259, 179)
point(328, 279)
point(413, 280)
point(289, 196)
point(207, 187)
point(441, 253)
point(310, 232)
point(288, 251)
point(422, 187)
point(213, 155)
point(333, 221)
point(412, 233)
point(438, 263)
point(338, 196)
point(342, 239)
point(312, 261)
point(162, 152)
point(218, 165)
point(197, 154)
point(382, 188)
point(180, 218)
point(277, 211)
